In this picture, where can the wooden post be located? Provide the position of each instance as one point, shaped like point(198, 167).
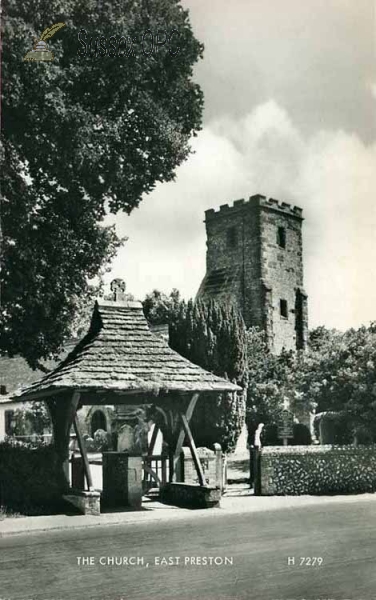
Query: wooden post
point(192, 446)
point(153, 440)
point(150, 453)
point(81, 445)
point(180, 442)
point(257, 471)
point(62, 411)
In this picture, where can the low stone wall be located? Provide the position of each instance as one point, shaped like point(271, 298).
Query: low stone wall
point(190, 496)
point(211, 463)
point(297, 470)
point(87, 503)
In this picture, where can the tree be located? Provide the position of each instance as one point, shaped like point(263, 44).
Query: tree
point(83, 136)
point(31, 418)
point(340, 375)
point(160, 309)
point(216, 340)
point(213, 336)
point(270, 381)
point(337, 374)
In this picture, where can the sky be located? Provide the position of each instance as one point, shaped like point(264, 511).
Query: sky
point(290, 99)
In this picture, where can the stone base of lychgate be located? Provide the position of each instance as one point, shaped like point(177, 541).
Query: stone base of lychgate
point(122, 480)
point(86, 502)
point(190, 495)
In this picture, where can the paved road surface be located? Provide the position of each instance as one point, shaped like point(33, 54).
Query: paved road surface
point(45, 566)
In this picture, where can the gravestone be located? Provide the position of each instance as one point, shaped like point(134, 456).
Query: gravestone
point(126, 439)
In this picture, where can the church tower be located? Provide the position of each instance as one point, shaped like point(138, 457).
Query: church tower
point(254, 257)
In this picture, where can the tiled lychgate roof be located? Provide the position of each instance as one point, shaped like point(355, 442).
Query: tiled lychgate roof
point(120, 354)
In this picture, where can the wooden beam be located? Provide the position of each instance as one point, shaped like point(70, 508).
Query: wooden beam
point(153, 439)
point(180, 442)
point(81, 445)
point(150, 449)
point(45, 394)
point(62, 411)
point(192, 446)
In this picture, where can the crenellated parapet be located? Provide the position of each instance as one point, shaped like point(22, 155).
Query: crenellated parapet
point(256, 200)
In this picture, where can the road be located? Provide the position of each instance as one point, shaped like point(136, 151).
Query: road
point(262, 550)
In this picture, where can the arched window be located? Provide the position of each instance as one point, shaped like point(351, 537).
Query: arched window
point(98, 421)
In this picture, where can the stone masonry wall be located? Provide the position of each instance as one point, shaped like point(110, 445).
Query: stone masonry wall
point(255, 271)
point(297, 470)
point(211, 463)
point(282, 270)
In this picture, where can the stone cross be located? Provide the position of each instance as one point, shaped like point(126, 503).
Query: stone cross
point(118, 289)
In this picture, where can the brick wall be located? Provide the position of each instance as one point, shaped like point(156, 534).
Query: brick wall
point(297, 470)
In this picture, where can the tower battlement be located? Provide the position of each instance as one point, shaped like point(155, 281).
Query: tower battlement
point(252, 201)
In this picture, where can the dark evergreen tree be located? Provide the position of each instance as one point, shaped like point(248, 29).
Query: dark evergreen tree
point(213, 336)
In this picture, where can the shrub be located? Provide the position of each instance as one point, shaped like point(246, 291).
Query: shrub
point(302, 435)
point(102, 440)
point(28, 478)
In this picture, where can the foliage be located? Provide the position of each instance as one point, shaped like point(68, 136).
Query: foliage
point(213, 336)
point(160, 309)
point(82, 136)
point(89, 443)
point(28, 482)
point(272, 379)
point(340, 375)
point(337, 374)
point(102, 440)
point(218, 419)
point(31, 418)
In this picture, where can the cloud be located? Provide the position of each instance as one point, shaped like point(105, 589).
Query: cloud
point(311, 57)
point(330, 174)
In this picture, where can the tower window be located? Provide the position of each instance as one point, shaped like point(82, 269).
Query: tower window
point(281, 237)
point(232, 238)
point(283, 310)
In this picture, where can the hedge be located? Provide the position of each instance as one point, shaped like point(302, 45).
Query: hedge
point(317, 470)
point(28, 482)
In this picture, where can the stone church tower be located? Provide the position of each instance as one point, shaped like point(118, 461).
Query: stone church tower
point(254, 257)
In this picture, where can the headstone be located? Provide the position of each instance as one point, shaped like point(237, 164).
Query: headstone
point(285, 425)
point(126, 439)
